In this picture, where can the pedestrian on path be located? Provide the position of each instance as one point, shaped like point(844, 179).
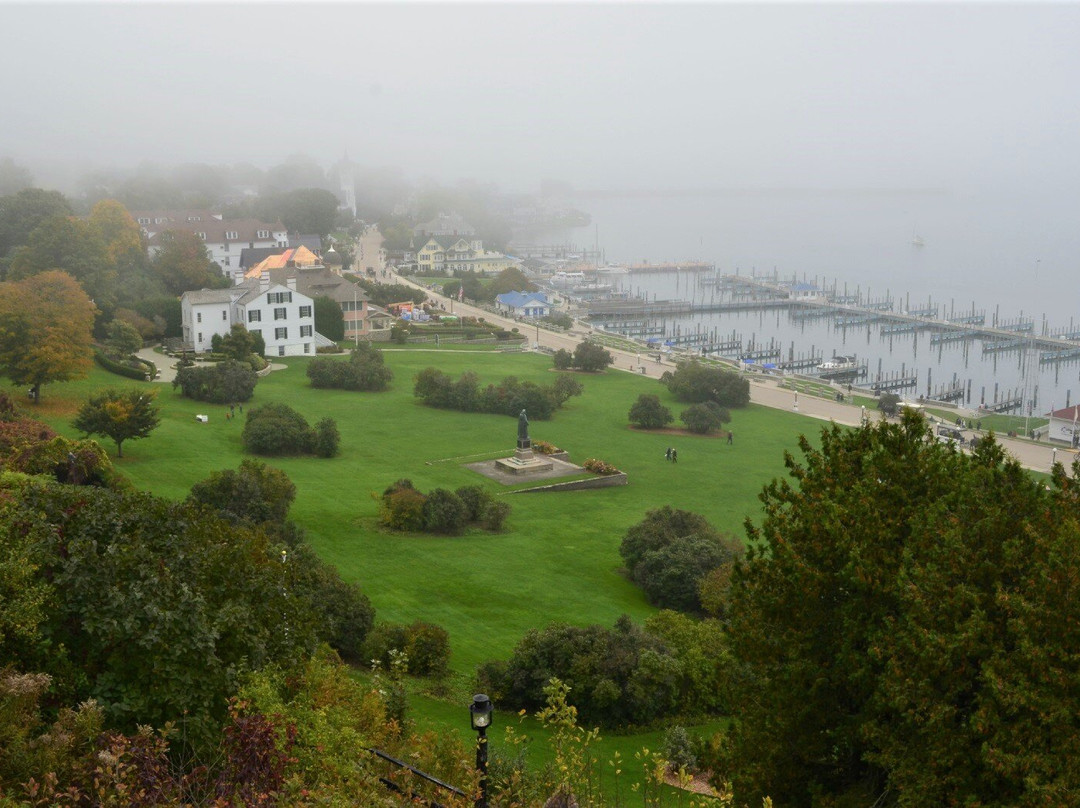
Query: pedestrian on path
point(730, 437)
point(674, 456)
point(667, 454)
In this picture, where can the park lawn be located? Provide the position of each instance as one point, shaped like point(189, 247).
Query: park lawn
point(557, 559)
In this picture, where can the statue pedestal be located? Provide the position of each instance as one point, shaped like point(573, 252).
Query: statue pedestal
point(524, 460)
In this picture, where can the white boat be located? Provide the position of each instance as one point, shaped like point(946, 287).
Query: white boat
point(839, 363)
point(565, 279)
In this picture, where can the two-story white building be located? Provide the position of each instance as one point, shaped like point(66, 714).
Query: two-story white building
point(284, 317)
point(225, 240)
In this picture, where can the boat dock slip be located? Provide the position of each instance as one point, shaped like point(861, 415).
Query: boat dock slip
point(767, 295)
point(689, 266)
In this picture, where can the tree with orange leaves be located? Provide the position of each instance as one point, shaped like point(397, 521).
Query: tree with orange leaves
point(45, 330)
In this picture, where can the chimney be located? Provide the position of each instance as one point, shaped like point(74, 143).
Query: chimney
point(264, 281)
point(291, 282)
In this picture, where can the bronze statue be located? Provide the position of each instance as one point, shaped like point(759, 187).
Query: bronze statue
point(523, 427)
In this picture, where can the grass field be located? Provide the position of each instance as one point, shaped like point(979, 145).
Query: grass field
point(558, 558)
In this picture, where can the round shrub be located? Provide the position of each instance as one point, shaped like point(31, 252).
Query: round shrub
point(444, 512)
point(276, 429)
point(475, 499)
point(383, 639)
point(403, 509)
point(495, 515)
point(648, 413)
point(563, 359)
point(428, 647)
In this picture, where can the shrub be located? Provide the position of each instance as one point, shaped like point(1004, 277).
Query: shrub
point(565, 387)
point(475, 499)
point(327, 438)
point(591, 357)
point(889, 403)
point(444, 512)
point(704, 418)
point(381, 640)
point(564, 360)
point(277, 429)
point(428, 647)
point(495, 515)
point(365, 370)
point(132, 369)
point(670, 552)
point(403, 509)
point(228, 382)
point(508, 397)
point(694, 382)
point(648, 413)
point(678, 749)
point(545, 448)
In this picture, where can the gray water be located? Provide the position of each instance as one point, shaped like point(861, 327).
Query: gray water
point(1010, 254)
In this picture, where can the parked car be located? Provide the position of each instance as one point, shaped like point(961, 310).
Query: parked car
point(950, 434)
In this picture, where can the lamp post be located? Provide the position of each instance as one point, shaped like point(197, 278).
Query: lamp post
point(480, 717)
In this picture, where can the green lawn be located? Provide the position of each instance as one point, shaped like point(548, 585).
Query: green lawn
point(558, 558)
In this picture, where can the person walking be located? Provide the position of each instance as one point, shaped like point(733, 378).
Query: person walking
point(730, 437)
point(667, 454)
point(674, 456)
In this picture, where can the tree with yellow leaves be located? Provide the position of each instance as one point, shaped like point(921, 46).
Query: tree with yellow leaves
point(45, 330)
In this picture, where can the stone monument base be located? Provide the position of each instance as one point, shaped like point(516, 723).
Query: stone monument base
point(524, 462)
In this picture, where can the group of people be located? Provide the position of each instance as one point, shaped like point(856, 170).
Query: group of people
point(672, 455)
point(231, 412)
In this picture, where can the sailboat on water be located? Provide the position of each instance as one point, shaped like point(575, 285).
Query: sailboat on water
point(917, 240)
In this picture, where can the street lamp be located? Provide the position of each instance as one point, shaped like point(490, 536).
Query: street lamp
point(480, 716)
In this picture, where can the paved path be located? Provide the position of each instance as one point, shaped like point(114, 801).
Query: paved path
point(764, 390)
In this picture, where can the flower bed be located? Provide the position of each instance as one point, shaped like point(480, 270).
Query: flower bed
point(599, 466)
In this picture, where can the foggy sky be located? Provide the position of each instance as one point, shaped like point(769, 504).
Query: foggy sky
point(628, 96)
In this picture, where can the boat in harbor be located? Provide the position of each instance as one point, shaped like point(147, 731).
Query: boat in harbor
point(839, 363)
point(564, 280)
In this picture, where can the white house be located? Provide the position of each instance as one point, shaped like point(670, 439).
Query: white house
point(523, 304)
point(1065, 425)
point(284, 317)
point(225, 240)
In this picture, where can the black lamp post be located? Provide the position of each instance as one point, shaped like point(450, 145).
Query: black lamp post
point(480, 716)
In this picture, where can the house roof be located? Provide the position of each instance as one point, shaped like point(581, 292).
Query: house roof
point(198, 297)
point(1067, 414)
point(299, 257)
point(318, 282)
point(250, 256)
point(516, 300)
point(215, 229)
point(446, 242)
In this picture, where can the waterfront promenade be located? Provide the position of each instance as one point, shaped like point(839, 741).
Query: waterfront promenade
point(764, 390)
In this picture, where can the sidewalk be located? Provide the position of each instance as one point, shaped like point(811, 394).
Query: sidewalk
point(763, 390)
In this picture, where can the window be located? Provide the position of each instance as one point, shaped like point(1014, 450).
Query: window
point(201, 235)
point(200, 337)
point(255, 332)
point(305, 331)
point(198, 317)
point(307, 347)
point(231, 234)
point(281, 314)
point(281, 333)
point(225, 315)
point(194, 218)
point(279, 297)
point(305, 311)
point(281, 350)
point(263, 234)
point(254, 316)
point(144, 220)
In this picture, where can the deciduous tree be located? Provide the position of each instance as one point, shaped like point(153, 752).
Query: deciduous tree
point(119, 414)
point(45, 330)
point(182, 264)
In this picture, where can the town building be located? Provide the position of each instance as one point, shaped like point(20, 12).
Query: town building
point(224, 239)
point(283, 316)
point(1064, 426)
point(523, 304)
